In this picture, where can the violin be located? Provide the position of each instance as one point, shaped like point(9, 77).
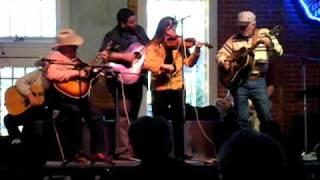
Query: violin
point(190, 42)
point(176, 41)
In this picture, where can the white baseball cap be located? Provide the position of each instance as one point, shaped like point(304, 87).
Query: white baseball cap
point(245, 18)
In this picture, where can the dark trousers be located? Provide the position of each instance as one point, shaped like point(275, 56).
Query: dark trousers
point(27, 158)
point(170, 105)
point(74, 113)
point(13, 122)
point(130, 103)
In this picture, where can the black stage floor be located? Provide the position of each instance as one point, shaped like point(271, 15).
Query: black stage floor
point(56, 170)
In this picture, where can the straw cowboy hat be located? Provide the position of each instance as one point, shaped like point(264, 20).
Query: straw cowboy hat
point(68, 37)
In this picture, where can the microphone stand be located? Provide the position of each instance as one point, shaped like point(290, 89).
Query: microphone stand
point(184, 56)
point(182, 71)
point(305, 107)
point(95, 69)
point(183, 94)
point(305, 115)
point(115, 74)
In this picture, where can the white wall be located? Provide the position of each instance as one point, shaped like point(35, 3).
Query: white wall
point(92, 19)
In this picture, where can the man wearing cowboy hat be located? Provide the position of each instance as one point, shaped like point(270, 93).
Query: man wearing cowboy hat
point(253, 84)
point(64, 67)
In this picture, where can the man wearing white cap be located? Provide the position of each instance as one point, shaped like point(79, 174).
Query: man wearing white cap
point(255, 46)
point(68, 76)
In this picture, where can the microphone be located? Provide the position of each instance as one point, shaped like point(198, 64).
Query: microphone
point(182, 19)
point(43, 61)
point(40, 63)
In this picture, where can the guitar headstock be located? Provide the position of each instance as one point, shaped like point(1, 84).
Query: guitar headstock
point(275, 31)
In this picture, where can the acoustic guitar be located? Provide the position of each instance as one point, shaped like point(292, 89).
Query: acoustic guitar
point(16, 103)
point(79, 87)
point(241, 64)
point(129, 74)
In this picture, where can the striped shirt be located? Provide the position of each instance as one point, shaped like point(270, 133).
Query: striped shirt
point(261, 53)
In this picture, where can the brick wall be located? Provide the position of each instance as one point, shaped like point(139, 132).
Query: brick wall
point(300, 37)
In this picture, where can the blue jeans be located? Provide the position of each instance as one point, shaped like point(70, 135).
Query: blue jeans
point(255, 90)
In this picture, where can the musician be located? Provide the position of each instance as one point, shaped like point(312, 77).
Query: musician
point(253, 85)
point(24, 85)
point(65, 66)
point(28, 154)
point(125, 33)
point(165, 58)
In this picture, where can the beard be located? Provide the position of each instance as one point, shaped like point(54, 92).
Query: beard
point(129, 29)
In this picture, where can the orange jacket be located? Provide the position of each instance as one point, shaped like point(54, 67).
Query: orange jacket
point(155, 55)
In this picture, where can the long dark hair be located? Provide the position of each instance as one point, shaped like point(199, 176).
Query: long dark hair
point(164, 24)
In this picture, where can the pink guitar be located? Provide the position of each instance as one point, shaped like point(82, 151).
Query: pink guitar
point(131, 74)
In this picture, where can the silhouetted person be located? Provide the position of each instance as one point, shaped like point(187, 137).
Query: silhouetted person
point(151, 141)
point(251, 155)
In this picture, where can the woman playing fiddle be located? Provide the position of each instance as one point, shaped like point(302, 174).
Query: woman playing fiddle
point(165, 57)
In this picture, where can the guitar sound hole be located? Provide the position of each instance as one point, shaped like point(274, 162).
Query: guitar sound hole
point(137, 55)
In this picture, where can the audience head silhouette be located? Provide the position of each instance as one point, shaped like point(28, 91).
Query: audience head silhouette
point(251, 155)
point(150, 138)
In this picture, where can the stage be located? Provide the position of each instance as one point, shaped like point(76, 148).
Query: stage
point(100, 171)
point(54, 170)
